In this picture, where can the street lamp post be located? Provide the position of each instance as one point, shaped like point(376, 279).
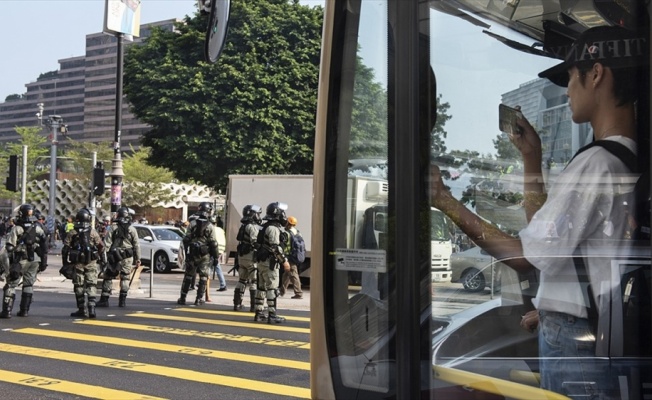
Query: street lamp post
point(56, 123)
point(116, 165)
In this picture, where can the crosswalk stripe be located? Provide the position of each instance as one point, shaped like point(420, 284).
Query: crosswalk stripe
point(195, 333)
point(144, 344)
point(249, 325)
point(168, 372)
point(62, 386)
point(234, 313)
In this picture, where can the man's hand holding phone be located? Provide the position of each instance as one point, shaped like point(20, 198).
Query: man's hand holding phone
point(520, 132)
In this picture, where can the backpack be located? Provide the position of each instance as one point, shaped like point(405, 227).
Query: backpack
point(262, 252)
point(635, 328)
point(297, 253)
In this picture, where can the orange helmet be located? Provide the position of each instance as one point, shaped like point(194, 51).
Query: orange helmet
point(292, 221)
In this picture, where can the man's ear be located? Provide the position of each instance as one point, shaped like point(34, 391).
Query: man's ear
point(597, 74)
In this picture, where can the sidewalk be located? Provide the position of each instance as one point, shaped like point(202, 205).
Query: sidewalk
point(51, 280)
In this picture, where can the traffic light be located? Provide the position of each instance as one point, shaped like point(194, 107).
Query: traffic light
point(12, 179)
point(98, 179)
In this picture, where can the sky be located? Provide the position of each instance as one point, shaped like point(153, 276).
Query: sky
point(37, 33)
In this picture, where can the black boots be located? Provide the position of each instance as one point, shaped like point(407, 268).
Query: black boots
point(81, 308)
point(237, 299)
point(91, 307)
point(252, 296)
point(259, 316)
point(7, 306)
point(201, 291)
point(25, 301)
point(122, 300)
point(104, 301)
point(182, 300)
point(273, 318)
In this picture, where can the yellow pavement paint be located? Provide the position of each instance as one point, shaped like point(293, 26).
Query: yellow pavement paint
point(61, 386)
point(233, 313)
point(250, 325)
point(159, 370)
point(202, 334)
point(144, 344)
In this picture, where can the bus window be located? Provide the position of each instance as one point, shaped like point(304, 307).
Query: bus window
point(408, 85)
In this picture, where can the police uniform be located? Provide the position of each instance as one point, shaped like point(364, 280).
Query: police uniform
point(247, 266)
point(26, 241)
point(122, 255)
point(201, 244)
point(271, 256)
point(82, 248)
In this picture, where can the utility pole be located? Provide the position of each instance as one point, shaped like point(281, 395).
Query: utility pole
point(23, 186)
point(116, 171)
point(56, 124)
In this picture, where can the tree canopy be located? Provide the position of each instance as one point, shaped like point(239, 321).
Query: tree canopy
point(252, 112)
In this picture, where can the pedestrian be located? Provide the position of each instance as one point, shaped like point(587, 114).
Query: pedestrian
point(83, 248)
point(271, 256)
point(246, 260)
point(220, 238)
point(292, 277)
point(201, 244)
point(579, 209)
point(122, 255)
point(26, 240)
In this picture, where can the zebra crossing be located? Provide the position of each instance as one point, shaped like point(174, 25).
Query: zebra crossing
point(153, 352)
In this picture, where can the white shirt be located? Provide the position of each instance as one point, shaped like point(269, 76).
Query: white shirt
point(580, 213)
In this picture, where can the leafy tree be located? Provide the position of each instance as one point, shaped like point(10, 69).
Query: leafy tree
point(81, 154)
point(438, 132)
point(143, 182)
point(368, 115)
point(252, 112)
point(33, 138)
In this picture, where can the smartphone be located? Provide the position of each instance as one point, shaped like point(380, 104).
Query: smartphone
point(507, 117)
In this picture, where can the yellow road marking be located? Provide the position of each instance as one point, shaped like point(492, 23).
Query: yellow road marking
point(168, 372)
point(145, 344)
point(233, 313)
point(250, 325)
point(61, 386)
point(203, 334)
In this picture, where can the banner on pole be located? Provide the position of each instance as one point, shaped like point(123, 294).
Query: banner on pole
point(122, 16)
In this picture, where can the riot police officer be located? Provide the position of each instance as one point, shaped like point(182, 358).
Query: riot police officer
point(247, 267)
point(271, 256)
point(123, 253)
point(26, 240)
point(83, 248)
point(201, 244)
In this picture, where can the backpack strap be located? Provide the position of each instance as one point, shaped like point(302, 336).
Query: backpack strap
point(624, 154)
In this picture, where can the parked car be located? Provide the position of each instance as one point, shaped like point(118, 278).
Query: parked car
point(164, 240)
point(473, 268)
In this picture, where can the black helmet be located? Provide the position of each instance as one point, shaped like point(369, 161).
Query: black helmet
point(276, 212)
point(83, 219)
point(251, 212)
point(122, 216)
point(205, 209)
point(26, 213)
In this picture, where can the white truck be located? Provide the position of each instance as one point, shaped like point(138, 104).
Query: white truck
point(367, 213)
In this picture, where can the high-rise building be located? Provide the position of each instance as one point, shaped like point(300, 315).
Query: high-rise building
point(545, 105)
point(82, 92)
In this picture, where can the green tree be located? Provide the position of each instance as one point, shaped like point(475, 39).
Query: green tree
point(35, 140)
point(438, 133)
point(81, 155)
point(505, 149)
point(143, 182)
point(252, 112)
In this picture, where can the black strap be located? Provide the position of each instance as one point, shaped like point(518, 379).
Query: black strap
point(624, 154)
point(627, 157)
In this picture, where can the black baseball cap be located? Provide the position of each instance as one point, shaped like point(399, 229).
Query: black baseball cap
point(612, 46)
